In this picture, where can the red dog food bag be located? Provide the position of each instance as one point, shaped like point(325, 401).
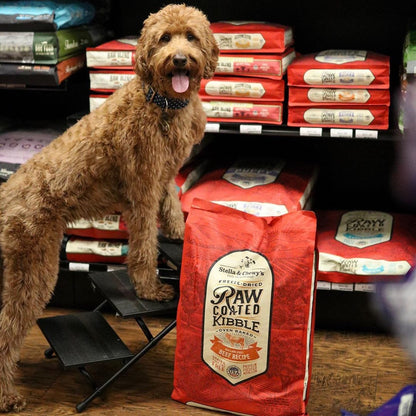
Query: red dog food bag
point(372, 117)
point(109, 227)
point(259, 187)
point(243, 88)
point(361, 246)
point(252, 36)
point(301, 96)
point(244, 112)
point(246, 311)
point(340, 68)
point(255, 65)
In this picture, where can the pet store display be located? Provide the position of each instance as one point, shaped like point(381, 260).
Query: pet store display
point(42, 43)
point(364, 246)
point(110, 67)
point(245, 314)
point(246, 99)
point(263, 187)
point(334, 88)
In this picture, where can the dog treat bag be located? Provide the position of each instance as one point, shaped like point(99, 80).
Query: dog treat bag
point(361, 246)
point(245, 314)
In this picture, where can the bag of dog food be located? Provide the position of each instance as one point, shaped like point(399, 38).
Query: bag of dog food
point(252, 36)
point(340, 68)
point(94, 251)
point(361, 246)
point(110, 227)
point(301, 96)
point(370, 117)
point(255, 65)
point(246, 309)
point(239, 88)
point(260, 187)
point(243, 112)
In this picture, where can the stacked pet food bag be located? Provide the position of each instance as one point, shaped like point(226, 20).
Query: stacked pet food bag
point(89, 244)
point(111, 66)
point(357, 248)
point(248, 86)
point(43, 42)
point(340, 89)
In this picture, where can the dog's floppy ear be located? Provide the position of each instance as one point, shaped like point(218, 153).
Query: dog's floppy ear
point(143, 52)
point(211, 52)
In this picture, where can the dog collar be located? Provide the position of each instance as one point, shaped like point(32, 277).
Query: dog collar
point(163, 102)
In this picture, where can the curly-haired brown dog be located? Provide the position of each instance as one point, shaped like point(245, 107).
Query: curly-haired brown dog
point(125, 154)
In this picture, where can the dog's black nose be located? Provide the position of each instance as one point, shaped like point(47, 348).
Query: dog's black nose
point(179, 60)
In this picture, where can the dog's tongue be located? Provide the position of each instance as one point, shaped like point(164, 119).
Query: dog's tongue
point(180, 81)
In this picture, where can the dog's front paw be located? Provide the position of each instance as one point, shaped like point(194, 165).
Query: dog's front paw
point(12, 403)
point(175, 233)
point(160, 292)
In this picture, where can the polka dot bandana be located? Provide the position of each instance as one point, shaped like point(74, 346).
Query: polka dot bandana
point(163, 102)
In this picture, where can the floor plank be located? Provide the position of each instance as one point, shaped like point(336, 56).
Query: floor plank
point(355, 371)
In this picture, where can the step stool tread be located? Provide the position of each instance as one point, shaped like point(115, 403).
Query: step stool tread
point(83, 338)
point(117, 288)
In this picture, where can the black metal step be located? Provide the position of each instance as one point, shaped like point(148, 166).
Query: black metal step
point(83, 338)
point(117, 288)
point(172, 251)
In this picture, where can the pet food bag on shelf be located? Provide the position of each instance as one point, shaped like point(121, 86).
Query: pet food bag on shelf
point(246, 311)
point(369, 117)
point(239, 88)
point(84, 250)
point(109, 227)
point(340, 68)
point(255, 65)
point(243, 112)
point(252, 37)
point(337, 97)
point(362, 246)
point(260, 187)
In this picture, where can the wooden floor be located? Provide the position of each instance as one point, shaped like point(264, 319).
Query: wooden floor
point(354, 371)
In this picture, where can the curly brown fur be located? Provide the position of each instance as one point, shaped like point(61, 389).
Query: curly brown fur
point(119, 155)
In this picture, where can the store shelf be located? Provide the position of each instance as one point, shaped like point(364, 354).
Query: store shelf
point(312, 132)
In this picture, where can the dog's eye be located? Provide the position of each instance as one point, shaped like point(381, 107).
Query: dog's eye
point(190, 36)
point(165, 38)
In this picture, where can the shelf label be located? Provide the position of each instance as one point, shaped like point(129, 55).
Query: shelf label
point(250, 128)
point(323, 285)
point(212, 127)
point(366, 134)
point(365, 287)
point(310, 131)
point(348, 133)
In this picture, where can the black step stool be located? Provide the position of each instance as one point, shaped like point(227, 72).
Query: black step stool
point(86, 338)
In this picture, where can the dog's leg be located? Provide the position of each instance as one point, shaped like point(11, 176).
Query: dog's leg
point(29, 277)
point(170, 214)
point(142, 257)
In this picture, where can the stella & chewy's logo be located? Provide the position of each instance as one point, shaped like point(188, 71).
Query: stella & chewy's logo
point(237, 316)
point(364, 228)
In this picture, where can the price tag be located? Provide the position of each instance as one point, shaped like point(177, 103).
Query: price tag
point(310, 131)
point(366, 134)
point(365, 287)
point(348, 133)
point(323, 285)
point(79, 267)
point(344, 287)
point(250, 128)
point(212, 127)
